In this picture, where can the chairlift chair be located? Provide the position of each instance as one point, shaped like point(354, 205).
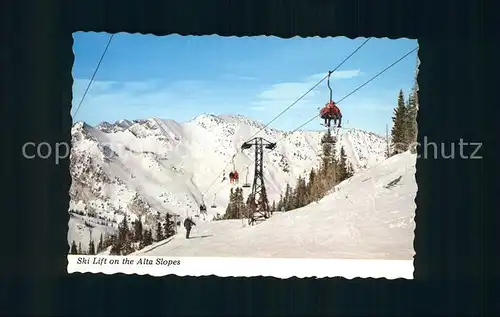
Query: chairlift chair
point(246, 184)
point(213, 203)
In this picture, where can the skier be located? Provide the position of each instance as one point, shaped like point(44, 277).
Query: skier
point(223, 176)
point(231, 177)
point(331, 111)
point(188, 224)
point(236, 176)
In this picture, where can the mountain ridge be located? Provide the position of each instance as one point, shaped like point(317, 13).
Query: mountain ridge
point(145, 167)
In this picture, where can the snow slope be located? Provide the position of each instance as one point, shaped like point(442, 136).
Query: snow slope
point(369, 216)
point(143, 168)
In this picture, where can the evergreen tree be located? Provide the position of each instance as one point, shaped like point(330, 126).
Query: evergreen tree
point(109, 239)
point(399, 132)
point(415, 84)
point(411, 120)
point(280, 203)
point(74, 248)
point(411, 116)
point(122, 244)
point(148, 237)
point(138, 231)
point(159, 232)
point(310, 184)
point(230, 205)
point(341, 170)
point(80, 248)
point(242, 208)
point(287, 200)
point(236, 208)
point(350, 170)
point(91, 247)
point(300, 193)
point(100, 245)
point(318, 185)
point(169, 226)
point(273, 207)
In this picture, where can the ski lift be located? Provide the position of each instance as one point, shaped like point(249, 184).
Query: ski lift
point(233, 175)
point(213, 203)
point(330, 111)
point(203, 207)
point(246, 184)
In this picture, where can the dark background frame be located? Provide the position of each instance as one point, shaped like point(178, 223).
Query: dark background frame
point(451, 238)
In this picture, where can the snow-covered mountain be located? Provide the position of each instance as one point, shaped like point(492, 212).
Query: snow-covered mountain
point(142, 168)
point(368, 216)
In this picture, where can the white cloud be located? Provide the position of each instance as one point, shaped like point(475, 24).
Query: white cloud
point(284, 94)
point(339, 74)
point(373, 106)
point(345, 74)
point(257, 108)
point(238, 77)
point(136, 100)
point(79, 85)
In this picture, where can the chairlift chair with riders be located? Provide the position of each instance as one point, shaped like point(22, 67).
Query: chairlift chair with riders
point(213, 203)
point(233, 175)
point(203, 207)
point(246, 184)
point(330, 111)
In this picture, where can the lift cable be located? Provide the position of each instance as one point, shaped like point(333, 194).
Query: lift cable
point(312, 88)
point(93, 76)
point(352, 92)
point(295, 102)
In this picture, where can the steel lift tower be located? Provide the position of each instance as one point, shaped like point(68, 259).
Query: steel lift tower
point(257, 203)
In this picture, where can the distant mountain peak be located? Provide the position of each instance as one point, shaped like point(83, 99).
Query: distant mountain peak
point(139, 168)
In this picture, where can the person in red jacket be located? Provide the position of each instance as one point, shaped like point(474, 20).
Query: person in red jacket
point(331, 112)
point(236, 176)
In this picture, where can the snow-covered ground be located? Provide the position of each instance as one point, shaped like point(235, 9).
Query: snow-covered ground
point(369, 216)
point(142, 168)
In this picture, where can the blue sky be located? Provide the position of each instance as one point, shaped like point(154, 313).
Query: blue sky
point(179, 77)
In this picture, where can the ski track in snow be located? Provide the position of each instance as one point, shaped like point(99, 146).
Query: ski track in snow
point(346, 224)
point(137, 168)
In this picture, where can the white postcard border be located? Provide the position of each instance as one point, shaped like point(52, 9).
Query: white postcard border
point(241, 267)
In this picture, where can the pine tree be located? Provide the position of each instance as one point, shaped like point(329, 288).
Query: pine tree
point(138, 230)
point(148, 237)
point(280, 203)
point(108, 240)
point(242, 208)
point(100, 245)
point(411, 120)
point(74, 248)
point(415, 84)
point(169, 226)
point(111, 240)
point(350, 170)
point(399, 132)
point(341, 170)
point(310, 184)
point(287, 200)
point(413, 106)
point(236, 208)
point(159, 232)
point(91, 247)
point(273, 207)
point(300, 199)
point(122, 244)
point(230, 205)
point(80, 248)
